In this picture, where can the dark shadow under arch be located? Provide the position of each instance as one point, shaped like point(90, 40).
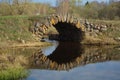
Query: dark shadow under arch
point(67, 32)
point(66, 52)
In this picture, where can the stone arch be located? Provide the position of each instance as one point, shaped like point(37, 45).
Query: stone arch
point(68, 27)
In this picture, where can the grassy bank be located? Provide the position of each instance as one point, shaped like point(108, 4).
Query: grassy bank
point(14, 62)
point(14, 73)
point(15, 31)
point(12, 67)
point(113, 30)
point(110, 37)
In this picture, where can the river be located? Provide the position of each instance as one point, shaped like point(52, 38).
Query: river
point(88, 63)
point(72, 61)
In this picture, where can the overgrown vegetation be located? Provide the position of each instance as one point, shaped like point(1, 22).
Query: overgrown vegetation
point(23, 7)
point(15, 28)
point(110, 36)
point(113, 27)
point(14, 62)
point(89, 10)
point(12, 67)
point(13, 73)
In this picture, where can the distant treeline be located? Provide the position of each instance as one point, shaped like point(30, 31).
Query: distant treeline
point(91, 10)
point(102, 10)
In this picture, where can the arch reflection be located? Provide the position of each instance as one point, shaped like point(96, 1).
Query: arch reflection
point(70, 55)
point(66, 52)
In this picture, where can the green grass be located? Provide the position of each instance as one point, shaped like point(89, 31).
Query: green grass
point(113, 30)
point(13, 73)
point(14, 28)
point(108, 36)
point(9, 17)
point(12, 67)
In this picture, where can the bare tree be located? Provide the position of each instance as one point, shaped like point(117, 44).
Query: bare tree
point(15, 7)
point(62, 7)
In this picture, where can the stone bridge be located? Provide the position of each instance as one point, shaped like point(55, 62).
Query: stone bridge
point(68, 27)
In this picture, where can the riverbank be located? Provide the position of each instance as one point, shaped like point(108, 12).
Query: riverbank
point(15, 31)
point(12, 67)
point(110, 36)
point(28, 44)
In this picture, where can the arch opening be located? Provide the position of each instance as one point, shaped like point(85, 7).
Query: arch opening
point(67, 32)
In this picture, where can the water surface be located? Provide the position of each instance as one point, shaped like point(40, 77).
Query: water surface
point(88, 63)
point(71, 61)
point(109, 70)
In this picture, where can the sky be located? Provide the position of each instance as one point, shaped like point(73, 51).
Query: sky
point(53, 2)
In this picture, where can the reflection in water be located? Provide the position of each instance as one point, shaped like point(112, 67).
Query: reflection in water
point(44, 67)
point(69, 55)
point(66, 52)
point(49, 49)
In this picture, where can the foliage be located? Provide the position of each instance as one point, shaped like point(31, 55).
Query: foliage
point(23, 7)
point(91, 10)
point(13, 73)
point(11, 67)
point(15, 28)
point(113, 27)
